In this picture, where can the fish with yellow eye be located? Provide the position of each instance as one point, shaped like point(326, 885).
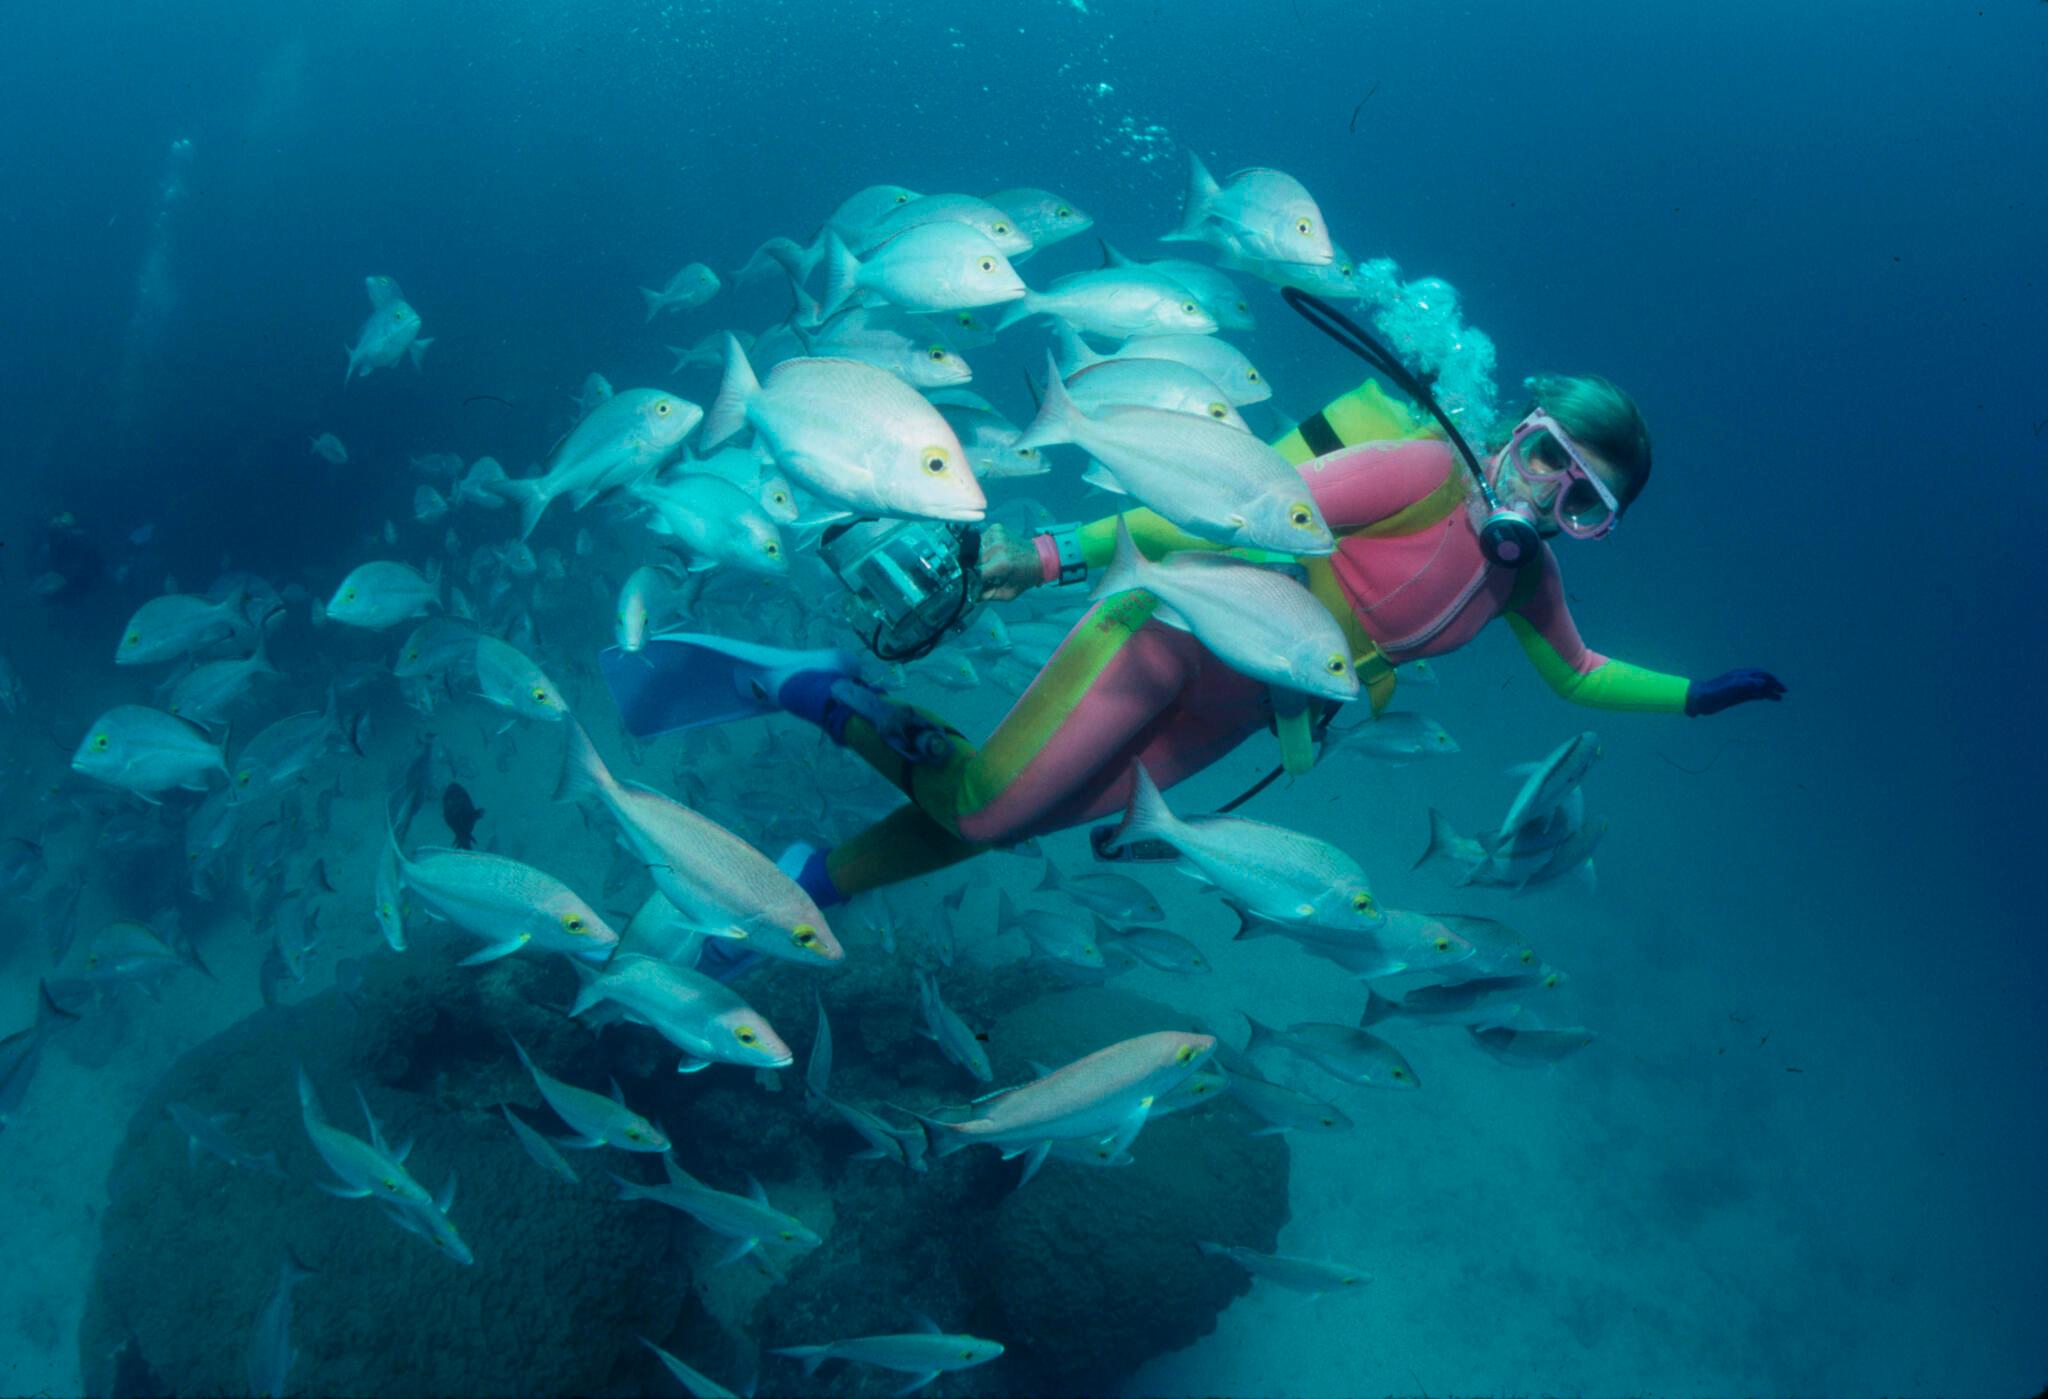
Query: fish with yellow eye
point(595, 1119)
point(700, 1015)
point(1215, 293)
point(625, 440)
point(1207, 477)
point(389, 335)
point(1342, 1051)
point(753, 1225)
point(1151, 383)
point(1215, 359)
point(382, 594)
point(1264, 872)
point(1042, 216)
point(1105, 1097)
point(941, 266)
point(1255, 215)
point(511, 906)
point(510, 679)
point(1115, 303)
point(711, 522)
point(1259, 621)
point(371, 1170)
point(147, 751)
point(167, 627)
point(851, 432)
point(716, 881)
point(907, 345)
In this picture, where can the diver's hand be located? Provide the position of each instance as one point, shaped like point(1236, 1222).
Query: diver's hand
point(1008, 565)
point(1726, 691)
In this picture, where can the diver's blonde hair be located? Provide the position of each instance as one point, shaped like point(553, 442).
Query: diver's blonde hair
point(1601, 418)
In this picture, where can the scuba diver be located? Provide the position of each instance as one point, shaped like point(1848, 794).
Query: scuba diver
point(1428, 552)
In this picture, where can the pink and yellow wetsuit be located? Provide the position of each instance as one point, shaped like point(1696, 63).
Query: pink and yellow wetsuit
point(1408, 580)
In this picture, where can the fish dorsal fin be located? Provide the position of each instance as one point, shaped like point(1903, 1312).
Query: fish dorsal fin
point(376, 1132)
point(754, 1190)
point(445, 1201)
point(618, 1093)
point(924, 1323)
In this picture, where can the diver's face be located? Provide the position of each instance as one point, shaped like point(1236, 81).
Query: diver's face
point(1533, 494)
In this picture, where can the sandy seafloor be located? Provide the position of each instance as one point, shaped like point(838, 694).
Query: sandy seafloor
point(1778, 1171)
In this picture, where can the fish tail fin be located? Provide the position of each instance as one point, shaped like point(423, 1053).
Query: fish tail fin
point(728, 411)
point(1202, 188)
point(1261, 1033)
point(1440, 836)
point(941, 1138)
point(532, 498)
point(583, 771)
point(1022, 309)
point(653, 300)
point(50, 1015)
point(812, 1356)
point(842, 269)
point(1148, 817)
point(1048, 882)
point(1377, 1008)
point(588, 993)
point(1071, 352)
point(1126, 567)
point(757, 262)
point(1057, 416)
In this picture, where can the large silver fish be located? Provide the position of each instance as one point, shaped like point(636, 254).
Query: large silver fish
point(624, 440)
point(933, 267)
point(1256, 213)
point(508, 904)
point(147, 751)
point(924, 1354)
point(1117, 302)
point(391, 332)
point(852, 432)
point(704, 1018)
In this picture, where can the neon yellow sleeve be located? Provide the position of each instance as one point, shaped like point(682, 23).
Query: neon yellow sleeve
point(1609, 685)
point(1154, 534)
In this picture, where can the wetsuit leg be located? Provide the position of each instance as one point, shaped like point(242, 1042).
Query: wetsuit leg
point(1116, 691)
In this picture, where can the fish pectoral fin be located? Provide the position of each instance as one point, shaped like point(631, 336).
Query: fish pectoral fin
point(342, 1192)
point(916, 1384)
point(584, 1143)
point(495, 951)
point(1132, 1125)
point(740, 1249)
point(1033, 1162)
point(690, 1064)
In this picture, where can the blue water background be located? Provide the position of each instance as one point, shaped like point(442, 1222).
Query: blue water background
point(1807, 238)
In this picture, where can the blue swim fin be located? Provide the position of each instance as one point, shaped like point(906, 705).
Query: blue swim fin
point(686, 680)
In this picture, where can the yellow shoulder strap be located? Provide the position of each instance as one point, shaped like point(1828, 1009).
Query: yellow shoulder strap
point(1365, 414)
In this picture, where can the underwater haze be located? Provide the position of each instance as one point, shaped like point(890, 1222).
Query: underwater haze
point(1792, 1144)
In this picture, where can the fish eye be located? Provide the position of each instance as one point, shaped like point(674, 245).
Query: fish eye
point(540, 696)
point(1304, 226)
point(999, 227)
point(1063, 212)
point(779, 497)
point(1183, 1054)
point(902, 199)
point(963, 319)
point(633, 1134)
point(787, 1235)
point(1441, 944)
point(988, 264)
point(1329, 1121)
point(1300, 516)
point(935, 461)
point(1528, 956)
point(1252, 375)
point(573, 922)
point(663, 408)
point(745, 1034)
point(100, 743)
point(1345, 270)
point(1188, 308)
point(1361, 902)
point(135, 638)
point(774, 549)
point(1399, 1073)
point(349, 595)
point(1335, 665)
point(937, 354)
point(804, 935)
point(967, 1355)
point(1243, 306)
point(398, 315)
point(391, 1185)
point(1027, 451)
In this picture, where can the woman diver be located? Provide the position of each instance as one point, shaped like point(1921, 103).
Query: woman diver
point(1428, 552)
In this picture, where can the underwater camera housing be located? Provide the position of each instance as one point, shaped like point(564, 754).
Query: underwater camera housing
point(912, 581)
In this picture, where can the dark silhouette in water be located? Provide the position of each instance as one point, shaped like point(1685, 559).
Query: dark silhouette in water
point(461, 814)
point(68, 565)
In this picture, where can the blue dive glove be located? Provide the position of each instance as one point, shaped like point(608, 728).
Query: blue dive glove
point(1736, 687)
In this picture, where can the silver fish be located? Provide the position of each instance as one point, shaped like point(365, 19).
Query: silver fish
point(147, 752)
point(852, 432)
point(939, 266)
point(714, 522)
point(748, 1220)
point(596, 1119)
point(1517, 1046)
point(167, 627)
point(1552, 780)
point(691, 287)
point(540, 1148)
point(700, 1386)
point(382, 594)
point(1210, 479)
point(1042, 216)
point(624, 440)
point(270, 1347)
point(391, 332)
point(1215, 359)
point(210, 1135)
point(508, 904)
point(924, 1354)
point(1130, 382)
point(328, 447)
point(1308, 1275)
point(704, 1018)
point(1343, 1051)
point(1255, 213)
point(950, 1032)
point(1117, 302)
point(510, 679)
